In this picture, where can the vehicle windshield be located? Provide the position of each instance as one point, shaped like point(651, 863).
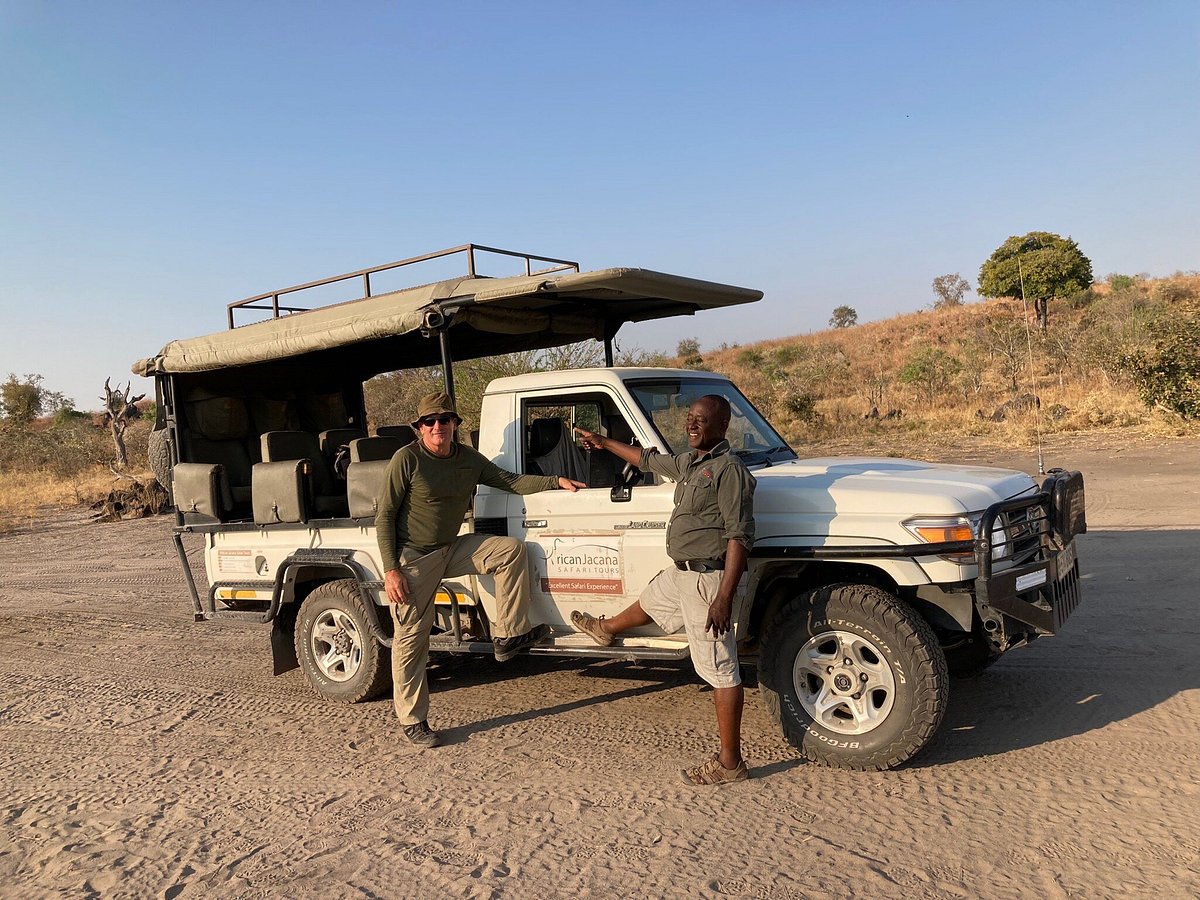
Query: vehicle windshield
point(665, 401)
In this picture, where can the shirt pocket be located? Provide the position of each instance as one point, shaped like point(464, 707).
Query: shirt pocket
point(699, 494)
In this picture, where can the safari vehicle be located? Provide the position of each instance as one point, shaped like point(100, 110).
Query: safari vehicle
point(870, 582)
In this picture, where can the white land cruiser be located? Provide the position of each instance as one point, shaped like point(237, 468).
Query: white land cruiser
point(870, 582)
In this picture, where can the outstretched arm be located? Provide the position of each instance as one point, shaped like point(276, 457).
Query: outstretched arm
point(626, 452)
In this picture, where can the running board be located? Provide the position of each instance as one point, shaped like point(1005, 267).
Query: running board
point(445, 643)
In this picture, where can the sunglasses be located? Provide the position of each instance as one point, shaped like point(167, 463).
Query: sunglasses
point(444, 419)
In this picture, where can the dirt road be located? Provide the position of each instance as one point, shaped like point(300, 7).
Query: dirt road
point(144, 755)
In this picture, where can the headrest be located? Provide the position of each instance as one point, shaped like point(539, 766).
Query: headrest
point(544, 435)
point(404, 432)
point(369, 449)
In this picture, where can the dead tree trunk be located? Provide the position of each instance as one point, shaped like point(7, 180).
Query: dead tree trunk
point(119, 411)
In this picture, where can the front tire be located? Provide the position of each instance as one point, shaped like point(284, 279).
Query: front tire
point(337, 653)
point(853, 677)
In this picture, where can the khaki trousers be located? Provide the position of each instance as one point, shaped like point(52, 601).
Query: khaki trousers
point(476, 554)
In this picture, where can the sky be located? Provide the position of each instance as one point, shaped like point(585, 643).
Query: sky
point(159, 160)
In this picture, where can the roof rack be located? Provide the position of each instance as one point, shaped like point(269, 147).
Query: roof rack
point(259, 301)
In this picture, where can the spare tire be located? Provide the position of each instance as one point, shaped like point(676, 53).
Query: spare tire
point(159, 452)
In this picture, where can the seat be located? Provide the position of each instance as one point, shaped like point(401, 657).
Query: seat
point(216, 473)
point(404, 432)
point(285, 446)
point(370, 449)
point(230, 454)
point(552, 451)
point(364, 481)
point(335, 438)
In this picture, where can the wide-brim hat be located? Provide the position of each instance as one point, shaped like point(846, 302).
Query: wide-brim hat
point(435, 404)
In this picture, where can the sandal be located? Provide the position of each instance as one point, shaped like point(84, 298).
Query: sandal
point(590, 625)
point(711, 772)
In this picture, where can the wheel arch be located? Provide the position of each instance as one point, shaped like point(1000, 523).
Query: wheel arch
point(300, 576)
point(781, 580)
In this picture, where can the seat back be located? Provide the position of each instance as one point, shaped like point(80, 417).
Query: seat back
point(364, 483)
point(230, 453)
point(553, 452)
point(404, 432)
point(370, 449)
point(283, 446)
point(334, 438)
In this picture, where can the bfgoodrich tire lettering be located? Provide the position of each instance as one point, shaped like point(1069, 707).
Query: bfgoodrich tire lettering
point(337, 652)
point(869, 638)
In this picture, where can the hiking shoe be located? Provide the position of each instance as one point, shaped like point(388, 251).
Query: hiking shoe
point(506, 648)
point(711, 772)
point(590, 625)
point(422, 736)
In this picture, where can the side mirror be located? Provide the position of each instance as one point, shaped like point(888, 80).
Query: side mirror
point(622, 491)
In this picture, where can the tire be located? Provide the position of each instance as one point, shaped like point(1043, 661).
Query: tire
point(337, 653)
point(969, 656)
point(870, 639)
point(159, 453)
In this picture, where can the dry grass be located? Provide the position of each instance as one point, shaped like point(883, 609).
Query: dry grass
point(24, 494)
point(818, 389)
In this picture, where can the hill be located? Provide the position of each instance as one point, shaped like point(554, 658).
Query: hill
point(970, 373)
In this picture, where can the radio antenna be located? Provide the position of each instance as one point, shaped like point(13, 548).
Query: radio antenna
point(1037, 400)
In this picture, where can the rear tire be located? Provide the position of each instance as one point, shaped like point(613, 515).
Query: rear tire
point(337, 653)
point(854, 677)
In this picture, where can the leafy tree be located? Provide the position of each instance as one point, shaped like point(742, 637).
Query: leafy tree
point(950, 290)
point(1168, 375)
point(931, 370)
point(1117, 282)
point(24, 401)
point(1047, 264)
point(843, 317)
point(688, 351)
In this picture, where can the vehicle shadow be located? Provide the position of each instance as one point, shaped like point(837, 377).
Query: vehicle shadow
point(1128, 648)
point(469, 672)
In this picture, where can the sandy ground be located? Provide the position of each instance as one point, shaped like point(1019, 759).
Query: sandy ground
point(144, 755)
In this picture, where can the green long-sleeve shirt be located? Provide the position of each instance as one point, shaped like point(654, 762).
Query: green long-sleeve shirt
point(425, 497)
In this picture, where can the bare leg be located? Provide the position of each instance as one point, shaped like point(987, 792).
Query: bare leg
point(633, 616)
point(729, 702)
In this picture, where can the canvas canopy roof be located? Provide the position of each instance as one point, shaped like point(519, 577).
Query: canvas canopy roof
point(486, 316)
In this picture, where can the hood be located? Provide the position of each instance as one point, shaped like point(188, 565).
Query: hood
point(852, 489)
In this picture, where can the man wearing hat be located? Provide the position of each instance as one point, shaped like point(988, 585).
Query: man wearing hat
point(426, 494)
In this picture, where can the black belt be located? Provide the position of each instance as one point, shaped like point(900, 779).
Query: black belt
point(700, 565)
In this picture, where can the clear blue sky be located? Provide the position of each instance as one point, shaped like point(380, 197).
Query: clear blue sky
point(160, 159)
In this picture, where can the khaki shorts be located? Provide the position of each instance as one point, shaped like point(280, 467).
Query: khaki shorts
point(678, 601)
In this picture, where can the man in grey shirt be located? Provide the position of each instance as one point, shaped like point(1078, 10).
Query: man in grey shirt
point(709, 537)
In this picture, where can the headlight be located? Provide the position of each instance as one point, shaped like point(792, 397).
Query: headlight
point(942, 529)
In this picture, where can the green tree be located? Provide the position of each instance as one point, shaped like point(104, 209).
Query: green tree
point(931, 370)
point(843, 317)
point(688, 351)
point(1047, 264)
point(24, 401)
point(950, 290)
point(1168, 375)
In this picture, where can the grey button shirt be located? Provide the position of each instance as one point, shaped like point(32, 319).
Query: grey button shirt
point(714, 501)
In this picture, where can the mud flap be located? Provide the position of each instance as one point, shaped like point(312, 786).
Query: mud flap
point(283, 644)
